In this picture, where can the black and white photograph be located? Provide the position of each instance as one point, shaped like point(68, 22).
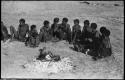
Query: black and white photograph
point(62, 39)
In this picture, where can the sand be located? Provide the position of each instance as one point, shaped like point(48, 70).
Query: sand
point(15, 54)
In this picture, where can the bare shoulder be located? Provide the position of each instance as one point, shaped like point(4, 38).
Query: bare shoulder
point(41, 28)
point(98, 34)
point(68, 25)
point(26, 25)
point(79, 26)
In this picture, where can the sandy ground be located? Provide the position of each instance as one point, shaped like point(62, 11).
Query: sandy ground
point(103, 13)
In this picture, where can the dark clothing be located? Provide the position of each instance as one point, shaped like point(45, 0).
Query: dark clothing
point(65, 32)
point(41, 57)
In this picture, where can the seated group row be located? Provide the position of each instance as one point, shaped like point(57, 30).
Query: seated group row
point(87, 38)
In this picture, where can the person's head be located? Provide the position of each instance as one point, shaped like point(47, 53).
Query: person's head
point(65, 20)
point(22, 21)
point(46, 23)
point(76, 21)
point(93, 26)
point(56, 20)
point(107, 33)
point(33, 27)
point(86, 23)
point(102, 29)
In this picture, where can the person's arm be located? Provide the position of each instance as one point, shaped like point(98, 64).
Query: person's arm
point(83, 30)
point(69, 33)
point(56, 28)
point(50, 31)
point(18, 30)
point(80, 29)
point(27, 29)
point(5, 28)
point(73, 29)
point(79, 34)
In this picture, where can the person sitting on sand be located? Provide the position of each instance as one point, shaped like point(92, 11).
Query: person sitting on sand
point(55, 28)
point(93, 39)
point(45, 32)
point(33, 37)
point(65, 31)
point(22, 31)
point(76, 31)
point(86, 32)
point(4, 32)
point(105, 46)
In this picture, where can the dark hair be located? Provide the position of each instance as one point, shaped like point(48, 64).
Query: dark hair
point(76, 20)
point(46, 22)
point(33, 27)
point(102, 29)
point(86, 22)
point(56, 19)
point(93, 25)
point(65, 19)
point(22, 20)
point(107, 32)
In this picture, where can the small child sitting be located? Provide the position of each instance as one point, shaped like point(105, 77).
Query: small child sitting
point(33, 37)
point(105, 46)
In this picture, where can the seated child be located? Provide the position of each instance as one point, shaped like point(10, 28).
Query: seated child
point(33, 37)
point(45, 32)
point(76, 31)
point(65, 30)
point(20, 34)
point(105, 46)
point(94, 37)
point(55, 28)
point(86, 33)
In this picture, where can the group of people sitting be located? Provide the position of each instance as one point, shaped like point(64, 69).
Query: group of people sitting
point(88, 40)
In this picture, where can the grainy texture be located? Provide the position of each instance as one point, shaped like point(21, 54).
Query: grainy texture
point(104, 13)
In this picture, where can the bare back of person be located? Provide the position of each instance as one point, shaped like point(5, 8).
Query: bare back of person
point(4, 32)
point(76, 32)
point(22, 31)
point(64, 30)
